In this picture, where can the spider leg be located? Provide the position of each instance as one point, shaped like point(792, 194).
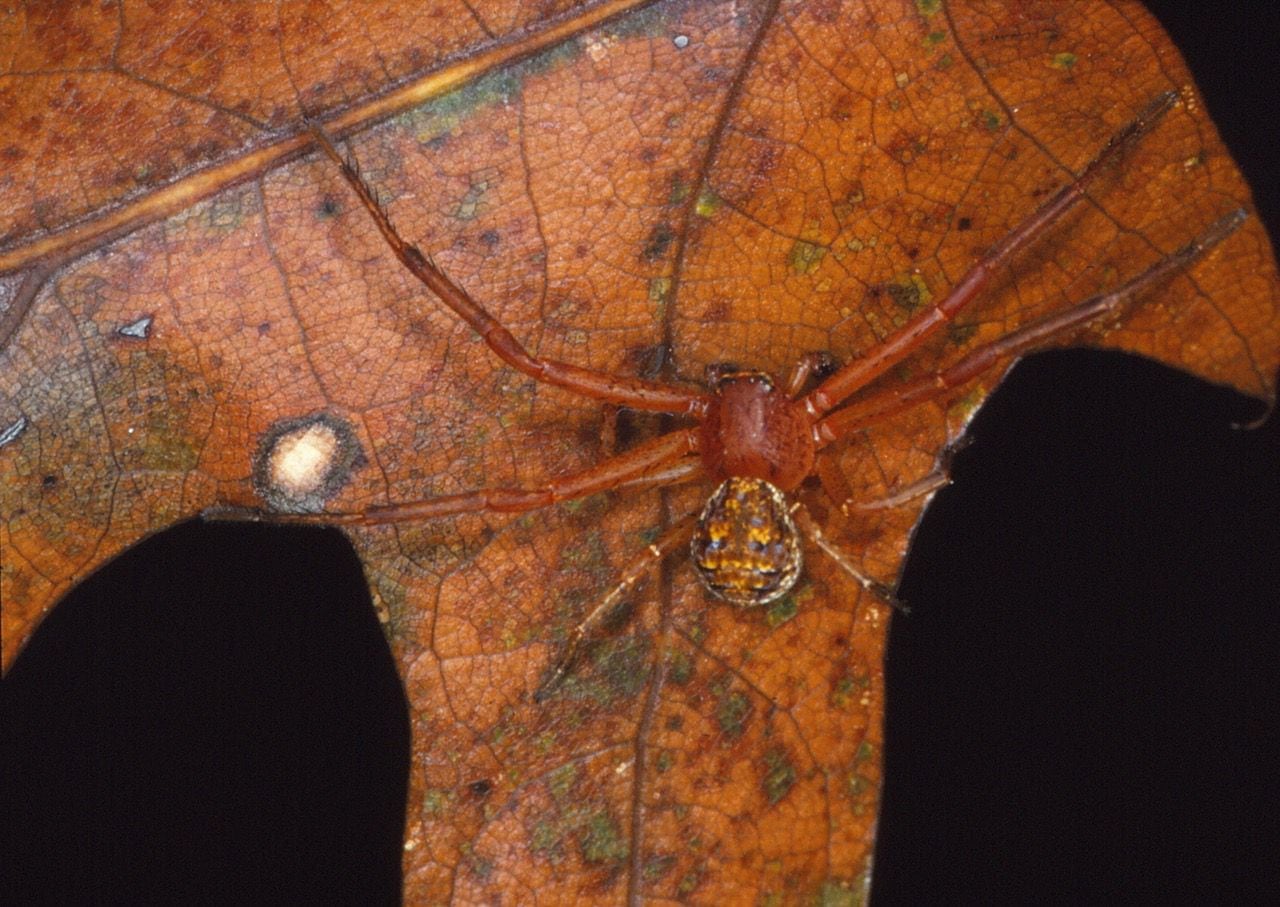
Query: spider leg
point(809, 526)
point(646, 464)
point(686, 470)
point(634, 392)
point(820, 363)
point(879, 406)
point(675, 537)
point(936, 478)
point(909, 337)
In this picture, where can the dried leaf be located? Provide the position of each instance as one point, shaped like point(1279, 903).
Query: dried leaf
point(712, 181)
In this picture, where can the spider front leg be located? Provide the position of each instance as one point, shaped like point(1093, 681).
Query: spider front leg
point(909, 337)
point(656, 462)
point(625, 391)
point(882, 405)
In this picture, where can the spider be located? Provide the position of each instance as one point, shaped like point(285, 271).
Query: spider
point(755, 436)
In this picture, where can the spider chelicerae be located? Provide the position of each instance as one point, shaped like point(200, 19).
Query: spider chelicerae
point(754, 435)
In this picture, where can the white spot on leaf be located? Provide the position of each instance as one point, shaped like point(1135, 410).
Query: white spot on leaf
point(301, 459)
point(138, 330)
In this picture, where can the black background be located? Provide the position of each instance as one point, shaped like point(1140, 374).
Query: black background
point(1082, 704)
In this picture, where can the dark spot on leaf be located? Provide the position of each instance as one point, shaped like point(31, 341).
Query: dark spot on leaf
point(481, 788)
point(649, 360)
point(960, 334)
point(658, 243)
point(49, 481)
point(328, 208)
point(964, 223)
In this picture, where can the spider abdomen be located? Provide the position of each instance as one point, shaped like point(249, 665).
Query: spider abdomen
point(746, 548)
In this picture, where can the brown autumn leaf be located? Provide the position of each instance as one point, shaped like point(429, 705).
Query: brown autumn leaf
point(766, 187)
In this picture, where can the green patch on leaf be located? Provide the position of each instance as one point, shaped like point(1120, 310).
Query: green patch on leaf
point(602, 841)
point(657, 866)
point(435, 801)
point(659, 288)
point(679, 666)
point(624, 666)
point(779, 775)
point(805, 256)
point(842, 693)
point(680, 190)
point(561, 781)
point(928, 7)
point(989, 119)
point(545, 840)
point(481, 866)
point(840, 894)
point(433, 121)
point(909, 291)
point(708, 203)
point(469, 204)
point(963, 408)
point(588, 554)
point(688, 883)
point(781, 611)
point(224, 213)
point(545, 742)
point(732, 711)
point(1064, 61)
point(934, 38)
point(643, 23)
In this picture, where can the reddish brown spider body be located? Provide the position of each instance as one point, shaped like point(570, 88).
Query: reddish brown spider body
point(758, 443)
point(756, 440)
point(754, 430)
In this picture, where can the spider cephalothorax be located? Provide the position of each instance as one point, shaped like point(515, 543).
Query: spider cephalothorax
point(753, 429)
